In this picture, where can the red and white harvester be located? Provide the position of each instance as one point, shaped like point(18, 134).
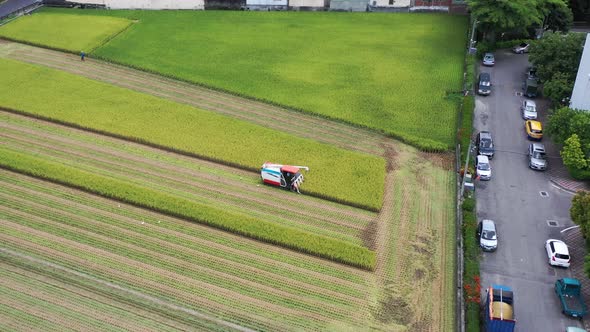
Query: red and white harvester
point(285, 176)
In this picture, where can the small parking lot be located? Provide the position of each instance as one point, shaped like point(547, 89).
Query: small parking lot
point(527, 208)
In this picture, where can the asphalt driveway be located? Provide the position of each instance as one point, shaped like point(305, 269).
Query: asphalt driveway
point(526, 207)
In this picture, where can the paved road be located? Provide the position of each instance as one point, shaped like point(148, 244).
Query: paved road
point(512, 198)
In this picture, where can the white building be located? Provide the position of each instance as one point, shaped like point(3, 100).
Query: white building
point(146, 4)
point(581, 94)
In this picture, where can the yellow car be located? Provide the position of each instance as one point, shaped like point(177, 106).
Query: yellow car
point(534, 129)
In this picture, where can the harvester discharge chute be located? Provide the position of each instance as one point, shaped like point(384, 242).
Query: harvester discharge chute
point(284, 176)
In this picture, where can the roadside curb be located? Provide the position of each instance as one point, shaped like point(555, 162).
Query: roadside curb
point(561, 187)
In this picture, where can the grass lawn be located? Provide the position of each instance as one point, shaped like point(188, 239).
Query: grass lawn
point(388, 72)
point(102, 107)
point(65, 32)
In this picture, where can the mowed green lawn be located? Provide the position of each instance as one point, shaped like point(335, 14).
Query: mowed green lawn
point(66, 32)
point(389, 72)
point(335, 173)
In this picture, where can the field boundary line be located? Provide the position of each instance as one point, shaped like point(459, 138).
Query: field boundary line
point(192, 312)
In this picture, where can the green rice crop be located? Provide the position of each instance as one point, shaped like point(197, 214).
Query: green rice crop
point(68, 32)
point(388, 72)
point(267, 231)
point(338, 174)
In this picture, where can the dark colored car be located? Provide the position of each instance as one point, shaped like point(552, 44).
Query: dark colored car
point(484, 87)
point(485, 144)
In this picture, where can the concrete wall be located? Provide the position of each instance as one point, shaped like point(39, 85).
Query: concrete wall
point(306, 3)
point(147, 4)
point(581, 94)
point(385, 3)
point(349, 5)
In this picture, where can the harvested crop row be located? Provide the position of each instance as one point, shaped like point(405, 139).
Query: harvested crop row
point(19, 274)
point(125, 191)
point(206, 240)
point(52, 224)
point(296, 123)
point(124, 113)
point(212, 193)
point(191, 169)
point(214, 183)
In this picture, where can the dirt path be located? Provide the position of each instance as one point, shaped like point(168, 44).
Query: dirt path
point(294, 122)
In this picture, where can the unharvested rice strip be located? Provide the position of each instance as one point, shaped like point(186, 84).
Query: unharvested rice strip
point(12, 319)
point(82, 305)
point(187, 284)
point(244, 274)
point(195, 236)
point(52, 313)
point(300, 124)
point(142, 172)
point(228, 307)
point(55, 274)
point(236, 205)
point(36, 280)
point(264, 212)
point(42, 130)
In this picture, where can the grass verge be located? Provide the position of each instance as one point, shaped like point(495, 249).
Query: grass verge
point(336, 174)
point(288, 237)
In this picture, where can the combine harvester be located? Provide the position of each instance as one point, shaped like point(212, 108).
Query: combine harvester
point(284, 176)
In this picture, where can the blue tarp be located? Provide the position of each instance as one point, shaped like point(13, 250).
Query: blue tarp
point(10, 6)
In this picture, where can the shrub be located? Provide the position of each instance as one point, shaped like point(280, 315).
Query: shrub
point(469, 204)
point(572, 154)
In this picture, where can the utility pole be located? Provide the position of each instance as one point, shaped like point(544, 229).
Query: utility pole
point(465, 171)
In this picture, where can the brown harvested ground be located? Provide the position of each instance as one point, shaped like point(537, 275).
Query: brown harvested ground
point(411, 213)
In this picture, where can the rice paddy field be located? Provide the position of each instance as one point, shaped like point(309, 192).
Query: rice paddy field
point(372, 70)
point(131, 199)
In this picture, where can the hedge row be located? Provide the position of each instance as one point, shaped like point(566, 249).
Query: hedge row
point(321, 246)
point(471, 281)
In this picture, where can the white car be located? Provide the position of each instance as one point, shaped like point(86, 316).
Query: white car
point(521, 48)
point(483, 170)
point(529, 110)
point(486, 233)
point(557, 252)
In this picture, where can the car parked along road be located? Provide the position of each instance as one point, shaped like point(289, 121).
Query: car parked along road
point(526, 208)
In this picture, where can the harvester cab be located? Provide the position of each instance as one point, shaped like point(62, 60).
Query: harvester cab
point(284, 176)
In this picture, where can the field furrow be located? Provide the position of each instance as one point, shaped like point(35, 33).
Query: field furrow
point(202, 239)
point(96, 247)
point(186, 264)
point(133, 317)
point(297, 123)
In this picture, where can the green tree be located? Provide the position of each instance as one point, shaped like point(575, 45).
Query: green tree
point(558, 125)
point(580, 211)
point(557, 53)
point(580, 125)
point(572, 153)
point(501, 16)
point(558, 88)
point(557, 15)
